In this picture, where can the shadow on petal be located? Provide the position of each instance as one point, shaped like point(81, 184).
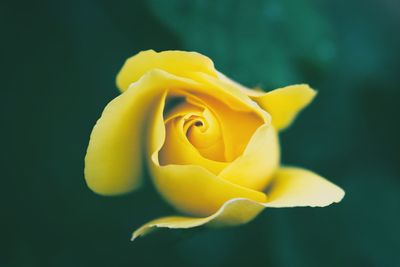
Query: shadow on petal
point(293, 187)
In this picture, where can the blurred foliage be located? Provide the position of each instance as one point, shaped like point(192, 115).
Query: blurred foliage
point(263, 38)
point(59, 60)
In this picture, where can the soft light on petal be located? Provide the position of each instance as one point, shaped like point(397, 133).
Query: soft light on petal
point(256, 166)
point(233, 212)
point(178, 150)
point(237, 127)
point(293, 187)
point(194, 190)
point(243, 101)
point(188, 142)
point(285, 103)
point(113, 162)
point(179, 63)
point(297, 187)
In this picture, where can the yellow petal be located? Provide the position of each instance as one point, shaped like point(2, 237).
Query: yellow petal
point(193, 66)
point(179, 63)
point(237, 127)
point(187, 143)
point(178, 150)
point(293, 187)
point(189, 188)
point(220, 131)
point(113, 162)
point(207, 136)
point(240, 102)
point(255, 167)
point(235, 135)
point(233, 212)
point(296, 187)
point(285, 103)
point(194, 190)
point(282, 104)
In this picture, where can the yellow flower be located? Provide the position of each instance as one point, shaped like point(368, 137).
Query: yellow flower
point(210, 144)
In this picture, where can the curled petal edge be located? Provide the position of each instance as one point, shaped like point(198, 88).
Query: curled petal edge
point(283, 104)
point(293, 187)
point(179, 63)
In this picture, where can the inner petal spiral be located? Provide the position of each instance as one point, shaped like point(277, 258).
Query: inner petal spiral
point(204, 134)
point(203, 130)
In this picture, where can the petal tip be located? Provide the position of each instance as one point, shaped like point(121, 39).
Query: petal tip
point(144, 230)
point(135, 236)
point(341, 195)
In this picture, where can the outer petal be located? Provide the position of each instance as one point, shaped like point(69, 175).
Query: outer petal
point(293, 187)
point(296, 187)
point(194, 190)
point(285, 103)
point(190, 65)
point(179, 63)
point(234, 212)
point(113, 162)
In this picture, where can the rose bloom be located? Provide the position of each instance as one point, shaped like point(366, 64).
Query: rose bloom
point(210, 144)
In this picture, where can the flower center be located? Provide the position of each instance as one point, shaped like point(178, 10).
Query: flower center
point(207, 129)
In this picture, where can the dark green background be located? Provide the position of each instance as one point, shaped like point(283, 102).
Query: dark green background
point(58, 64)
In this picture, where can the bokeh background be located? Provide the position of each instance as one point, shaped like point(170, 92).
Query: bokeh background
point(58, 64)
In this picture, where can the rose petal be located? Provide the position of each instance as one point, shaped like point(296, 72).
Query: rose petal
point(195, 190)
point(285, 103)
point(178, 150)
point(113, 162)
point(293, 187)
point(236, 127)
point(242, 101)
point(190, 65)
point(179, 63)
point(233, 212)
point(297, 187)
point(255, 167)
point(191, 189)
point(187, 143)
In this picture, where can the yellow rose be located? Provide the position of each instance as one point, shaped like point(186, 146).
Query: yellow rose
point(210, 144)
